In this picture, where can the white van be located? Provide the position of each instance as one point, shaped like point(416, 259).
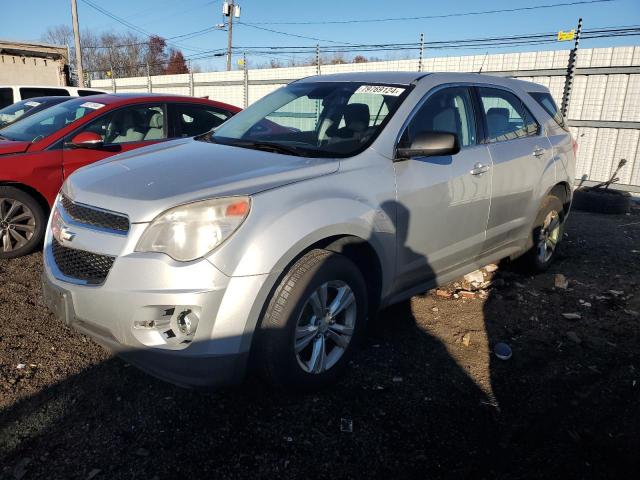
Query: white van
point(13, 93)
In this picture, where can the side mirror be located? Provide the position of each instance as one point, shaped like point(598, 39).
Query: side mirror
point(430, 144)
point(89, 140)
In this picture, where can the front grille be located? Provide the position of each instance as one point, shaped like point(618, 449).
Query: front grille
point(91, 268)
point(92, 216)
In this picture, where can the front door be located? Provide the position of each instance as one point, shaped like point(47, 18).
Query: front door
point(443, 202)
point(123, 129)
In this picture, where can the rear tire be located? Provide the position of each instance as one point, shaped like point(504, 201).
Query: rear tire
point(312, 322)
point(22, 223)
point(547, 232)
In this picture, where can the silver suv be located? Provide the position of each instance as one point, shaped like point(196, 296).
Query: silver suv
point(281, 232)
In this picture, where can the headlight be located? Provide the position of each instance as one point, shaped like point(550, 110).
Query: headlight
point(191, 231)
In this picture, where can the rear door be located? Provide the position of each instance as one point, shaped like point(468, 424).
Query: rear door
point(520, 152)
point(122, 129)
point(443, 202)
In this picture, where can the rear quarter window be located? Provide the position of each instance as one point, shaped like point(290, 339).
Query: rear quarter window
point(86, 93)
point(545, 100)
point(6, 97)
point(30, 92)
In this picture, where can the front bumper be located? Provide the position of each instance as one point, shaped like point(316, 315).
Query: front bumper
point(134, 313)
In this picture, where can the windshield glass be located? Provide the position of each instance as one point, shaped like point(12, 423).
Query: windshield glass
point(323, 119)
point(48, 121)
point(13, 112)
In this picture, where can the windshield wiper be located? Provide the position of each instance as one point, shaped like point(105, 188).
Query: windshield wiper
point(270, 147)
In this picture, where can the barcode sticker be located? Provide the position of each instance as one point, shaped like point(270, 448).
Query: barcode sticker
point(92, 105)
point(380, 90)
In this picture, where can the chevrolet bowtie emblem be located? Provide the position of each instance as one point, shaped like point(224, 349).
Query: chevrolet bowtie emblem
point(66, 234)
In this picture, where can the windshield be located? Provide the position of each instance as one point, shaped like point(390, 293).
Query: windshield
point(323, 119)
point(48, 121)
point(13, 112)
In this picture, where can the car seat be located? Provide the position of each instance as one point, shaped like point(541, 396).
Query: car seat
point(156, 127)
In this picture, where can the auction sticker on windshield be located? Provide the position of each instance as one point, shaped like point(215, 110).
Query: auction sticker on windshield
point(93, 105)
point(380, 90)
point(31, 103)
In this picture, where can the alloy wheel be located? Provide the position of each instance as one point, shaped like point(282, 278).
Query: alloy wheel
point(17, 224)
point(325, 327)
point(549, 236)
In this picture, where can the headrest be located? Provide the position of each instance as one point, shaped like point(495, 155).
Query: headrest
point(499, 111)
point(446, 121)
point(156, 120)
point(357, 116)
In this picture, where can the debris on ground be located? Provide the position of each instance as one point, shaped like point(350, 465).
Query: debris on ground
point(346, 425)
point(466, 339)
point(474, 277)
point(572, 316)
point(93, 473)
point(560, 281)
point(492, 267)
point(502, 351)
point(573, 336)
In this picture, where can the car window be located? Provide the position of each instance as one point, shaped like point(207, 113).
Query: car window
point(130, 124)
point(12, 112)
point(194, 120)
point(545, 100)
point(448, 110)
point(86, 93)
point(506, 117)
point(6, 97)
point(319, 119)
point(30, 92)
point(48, 121)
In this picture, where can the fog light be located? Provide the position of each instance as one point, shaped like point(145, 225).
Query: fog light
point(187, 322)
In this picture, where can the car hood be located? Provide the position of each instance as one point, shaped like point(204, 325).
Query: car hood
point(8, 147)
point(145, 182)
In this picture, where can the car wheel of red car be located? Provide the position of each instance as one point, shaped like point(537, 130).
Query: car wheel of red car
point(22, 223)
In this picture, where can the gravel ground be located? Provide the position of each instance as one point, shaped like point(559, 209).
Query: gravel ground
point(425, 397)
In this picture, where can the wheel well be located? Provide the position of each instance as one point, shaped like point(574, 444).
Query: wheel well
point(360, 252)
point(563, 191)
point(30, 191)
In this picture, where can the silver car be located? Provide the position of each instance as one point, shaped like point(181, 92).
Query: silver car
point(271, 240)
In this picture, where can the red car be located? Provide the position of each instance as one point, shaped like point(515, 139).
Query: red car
point(39, 152)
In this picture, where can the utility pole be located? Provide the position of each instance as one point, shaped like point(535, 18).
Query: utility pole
point(230, 9)
point(421, 52)
point(318, 59)
point(571, 70)
point(76, 38)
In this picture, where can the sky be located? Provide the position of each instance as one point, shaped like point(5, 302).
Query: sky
point(28, 20)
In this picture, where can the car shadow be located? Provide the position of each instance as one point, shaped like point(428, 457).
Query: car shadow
point(407, 408)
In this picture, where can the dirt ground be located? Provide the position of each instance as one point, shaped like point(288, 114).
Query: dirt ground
point(425, 397)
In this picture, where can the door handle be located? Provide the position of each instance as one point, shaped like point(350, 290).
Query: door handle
point(538, 152)
point(479, 169)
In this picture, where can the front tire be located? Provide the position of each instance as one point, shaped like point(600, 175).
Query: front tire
point(22, 223)
point(312, 323)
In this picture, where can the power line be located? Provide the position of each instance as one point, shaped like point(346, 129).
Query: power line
point(290, 34)
point(483, 43)
point(428, 17)
point(130, 25)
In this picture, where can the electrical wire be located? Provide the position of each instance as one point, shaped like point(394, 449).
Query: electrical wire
point(430, 17)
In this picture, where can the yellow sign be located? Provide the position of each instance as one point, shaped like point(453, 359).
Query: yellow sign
point(240, 61)
point(564, 36)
